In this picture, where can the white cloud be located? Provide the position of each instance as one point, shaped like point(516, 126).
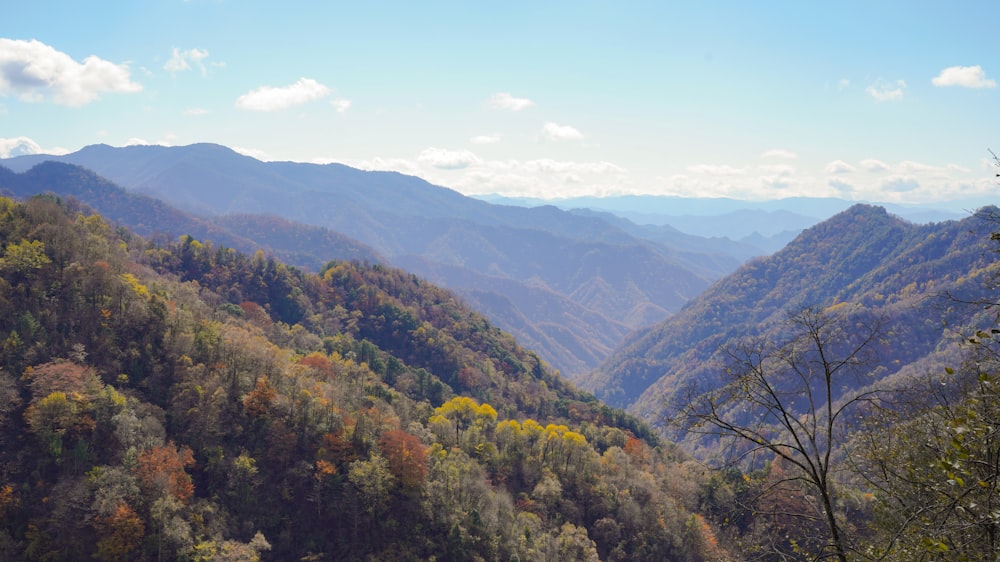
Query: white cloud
point(252, 153)
point(34, 71)
point(554, 131)
point(504, 100)
point(18, 146)
point(843, 84)
point(269, 98)
point(21, 146)
point(195, 111)
point(167, 140)
point(873, 165)
point(964, 76)
point(179, 60)
point(341, 104)
point(449, 159)
point(401, 165)
point(485, 139)
point(779, 153)
point(839, 167)
point(882, 90)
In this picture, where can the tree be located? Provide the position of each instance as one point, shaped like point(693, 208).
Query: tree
point(161, 470)
point(794, 401)
point(24, 257)
point(936, 472)
point(406, 455)
point(373, 480)
point(459, 415)
point(120, 533)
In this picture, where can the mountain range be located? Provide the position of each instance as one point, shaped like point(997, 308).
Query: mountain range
point(158, 392)
point(739, 219)
point(569, 285)
point(862, 261)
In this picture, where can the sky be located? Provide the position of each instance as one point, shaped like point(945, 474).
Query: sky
point(882, 101)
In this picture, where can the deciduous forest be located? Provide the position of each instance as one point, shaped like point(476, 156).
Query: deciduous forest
point(177, 400)
point(189, 402)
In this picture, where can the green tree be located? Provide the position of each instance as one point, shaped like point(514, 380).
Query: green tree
point(936, 475)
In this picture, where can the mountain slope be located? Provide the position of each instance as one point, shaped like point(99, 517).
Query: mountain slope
point(611, 276)
point(186, 402)
point(863, 257)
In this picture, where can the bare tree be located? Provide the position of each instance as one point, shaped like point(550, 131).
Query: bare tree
point(793, 401)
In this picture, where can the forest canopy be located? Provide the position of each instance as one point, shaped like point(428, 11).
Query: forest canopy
point(186, 401)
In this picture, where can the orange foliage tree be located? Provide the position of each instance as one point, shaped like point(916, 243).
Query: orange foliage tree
point(120, 533)
point(258, 401)
point(162, 469)
point(407, 457)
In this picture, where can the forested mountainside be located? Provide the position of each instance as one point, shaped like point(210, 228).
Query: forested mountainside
point(862, 260)
point(568, 282)
point(181, 400)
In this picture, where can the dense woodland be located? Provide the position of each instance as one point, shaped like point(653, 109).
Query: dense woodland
point(182, 401)
point(178, 400)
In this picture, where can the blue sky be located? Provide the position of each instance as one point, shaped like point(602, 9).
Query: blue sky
point(877, 101)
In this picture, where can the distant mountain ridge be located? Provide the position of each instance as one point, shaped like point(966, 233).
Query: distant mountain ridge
point(569, 282)
point(863, 258)
point(767, 225)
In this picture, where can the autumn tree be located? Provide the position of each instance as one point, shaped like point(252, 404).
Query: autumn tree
point(406, 455)
point(460, 414)
point(120, 533)
point(161, 469)
point(793, 401)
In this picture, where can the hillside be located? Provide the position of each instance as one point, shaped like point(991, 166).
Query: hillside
point(186, 401)
point(602, 274)
point(862, 258)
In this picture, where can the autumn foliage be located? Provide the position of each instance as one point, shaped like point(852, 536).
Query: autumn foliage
point(120, 533)
point(181, 401)
point(162, 469)
point(407, 457)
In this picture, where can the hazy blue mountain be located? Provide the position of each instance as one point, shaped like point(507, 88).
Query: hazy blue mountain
point(299, 244)
point(570, 284)
point(770, 223)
